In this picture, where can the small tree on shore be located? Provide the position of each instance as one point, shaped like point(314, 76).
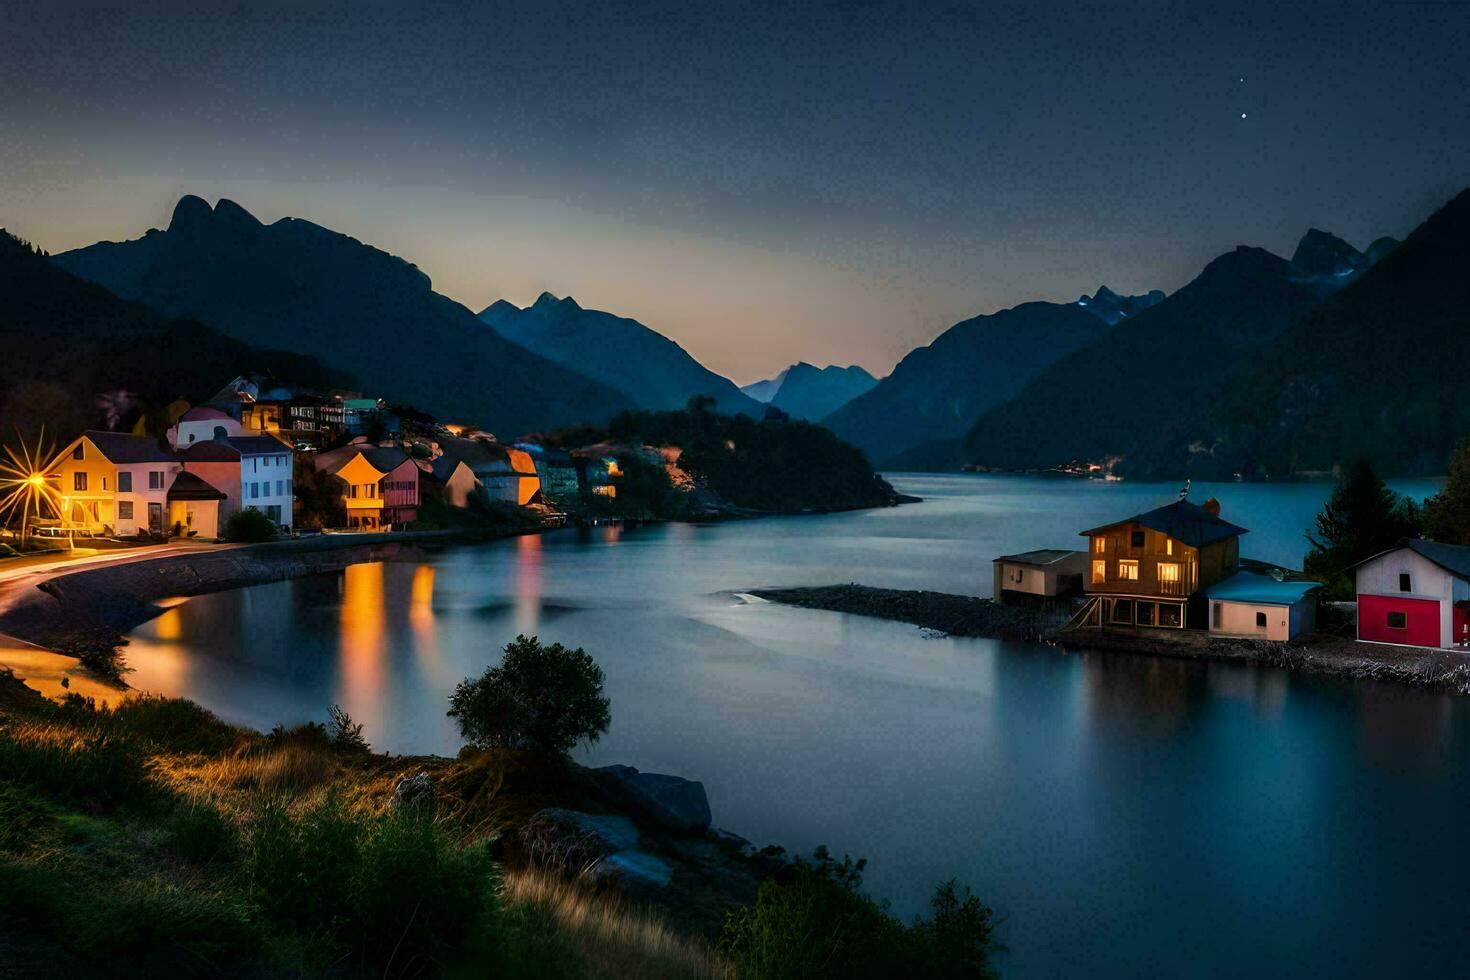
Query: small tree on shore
point(1362, 517)
point(1447, 513)
point(541, 698)
point(248, 525)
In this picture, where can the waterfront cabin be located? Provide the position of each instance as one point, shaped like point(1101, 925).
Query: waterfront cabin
point(114, 483)
point(1262, 606)
point(1048, 573)
point(1417, 594)
point(1152, 568)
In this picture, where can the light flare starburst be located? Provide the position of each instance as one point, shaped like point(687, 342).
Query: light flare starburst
point(25, 491)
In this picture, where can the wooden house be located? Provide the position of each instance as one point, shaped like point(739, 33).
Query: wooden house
point(1033, 575)
point(1417, 594)
point(1152, 568)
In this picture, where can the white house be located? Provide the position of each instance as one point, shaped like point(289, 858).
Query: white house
point(200, 424)
point(114, 481)
point(1046, 573)
point(1248, 604)
point(1417, 594)
point(251, 471)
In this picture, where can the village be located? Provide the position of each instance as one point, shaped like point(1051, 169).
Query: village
point(1178, 569)
point(307, 462)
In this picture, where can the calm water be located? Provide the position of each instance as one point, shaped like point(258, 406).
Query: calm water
point(1125, 816)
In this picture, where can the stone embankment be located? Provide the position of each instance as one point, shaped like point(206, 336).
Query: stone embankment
point(957, 615)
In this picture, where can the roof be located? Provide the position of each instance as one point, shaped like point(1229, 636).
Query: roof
point(123, 447)
point(1183, 521)
point(385, 458)
point(210, 451)
point(1042, 556)
point(258, 445)
point(200, 412)
point(1261, 590)
point(188, 486)
point(1453, 558)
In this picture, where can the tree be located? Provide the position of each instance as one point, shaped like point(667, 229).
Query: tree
point(248, 525)
point(320, 495)
point(541, 698)
point(1362, 517)
point(1447, 513)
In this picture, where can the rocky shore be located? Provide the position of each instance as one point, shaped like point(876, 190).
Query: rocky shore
point(956, 615)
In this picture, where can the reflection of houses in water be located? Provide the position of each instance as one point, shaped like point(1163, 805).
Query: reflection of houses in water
point(1393, 719)
point(1146, 692)
point(421, 613)
point(362, 648)
point(528, 584)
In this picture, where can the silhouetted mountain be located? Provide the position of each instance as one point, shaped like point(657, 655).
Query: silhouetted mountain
point(649, 368)
point(812, 393)
point(1113, 309)
point(764, 391)
point(937, 392)
point(296, 285)
point(69, 342)
point(1329, 263)
point(1145, 390)
point(1378, 371)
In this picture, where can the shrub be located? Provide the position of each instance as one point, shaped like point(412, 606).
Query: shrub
point(199, 832)
point(541, 698)
point(816, 922)
point(94, 770)
point(248, 525)
point(344, 733)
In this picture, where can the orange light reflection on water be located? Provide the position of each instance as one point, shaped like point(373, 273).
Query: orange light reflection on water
point(362, 651)
point(421, 614)
point(528, 584)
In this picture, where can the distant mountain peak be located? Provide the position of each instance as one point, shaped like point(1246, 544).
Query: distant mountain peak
point(1321, 253)
point(499, 307)
point(191, 212)
point(1112, 308)
point(550, 301)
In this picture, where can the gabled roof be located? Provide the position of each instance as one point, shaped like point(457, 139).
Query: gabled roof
point(1183, 521)
point(259, 445)
point(188, 486)
point(201, 412)
point(123, 447)
point(210, 451)
point(1042, 556)
point(1261, 590)
point(1453, 558)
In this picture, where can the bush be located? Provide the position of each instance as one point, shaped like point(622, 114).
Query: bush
point(815, 921)
point(248, 525)
point(344, 732)
point(199, 832)
point(94, 770)
point(541, 698)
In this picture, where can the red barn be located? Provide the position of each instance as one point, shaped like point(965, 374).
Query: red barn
point(1416, 595)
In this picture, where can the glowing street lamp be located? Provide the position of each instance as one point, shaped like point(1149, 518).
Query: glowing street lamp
point(23, 486)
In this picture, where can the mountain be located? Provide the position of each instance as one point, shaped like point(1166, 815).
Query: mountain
point(647, 367)
point(302, 287)
point(764, 391)
point(809, 392)
point(1377, 371)
point(69, 344)
point(1328, 263)
point(938, 391)
point(1113, 309)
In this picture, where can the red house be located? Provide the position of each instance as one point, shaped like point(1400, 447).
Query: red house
point(1416, 595)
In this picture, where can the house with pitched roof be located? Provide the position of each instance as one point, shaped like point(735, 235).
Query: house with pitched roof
point(1262, 606)
point(1152, 569)
point(115, 482)
point(1047, 573)
point(1417, 594)
point(255, 472)
point(381, 485)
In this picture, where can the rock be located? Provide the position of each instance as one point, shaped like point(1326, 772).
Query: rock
point(673, 802)
point(599, 844)
point(413, 791)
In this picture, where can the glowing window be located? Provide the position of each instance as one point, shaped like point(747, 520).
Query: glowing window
point(1099, 571)
point(1099, 545)
point(1168, 546)
point(1128, 570)
point(1168, 571)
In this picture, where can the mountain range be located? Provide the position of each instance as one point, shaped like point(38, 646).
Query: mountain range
point(298, 286)
point(646, 367)
point(805, 391)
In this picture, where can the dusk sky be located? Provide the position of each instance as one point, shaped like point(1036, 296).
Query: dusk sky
point(834, 183)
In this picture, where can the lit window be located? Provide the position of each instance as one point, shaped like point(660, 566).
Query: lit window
point(1128, 570)
point(1169, 571)
point(1099, 545)
point(1168, 546)
point(1099, 571)
point(79, 481)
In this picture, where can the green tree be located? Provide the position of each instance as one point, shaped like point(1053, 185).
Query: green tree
point(1447, 513)
point(249, 525)
point(1361, 518)
point(541, 698)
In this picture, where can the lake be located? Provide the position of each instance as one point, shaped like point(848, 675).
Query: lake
point(1125, 816)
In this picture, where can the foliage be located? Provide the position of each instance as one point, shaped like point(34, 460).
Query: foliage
point(344, 732)
point(818, 923)
point(320, 496)
point(543, 698)
point(1447, 513)
point(1362, 518)
point(248, 525)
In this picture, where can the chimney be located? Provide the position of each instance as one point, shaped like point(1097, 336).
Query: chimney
point(1212, 506)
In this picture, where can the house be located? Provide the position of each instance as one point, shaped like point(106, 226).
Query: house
point(1150, 569)
point(1262, 606)
point(1417, 594)
point(507, 474)
point(380, 484)
point(194, 506)
point(446, 478)
point(201, 423)
point(1045, 574)
point(255, 472)
point(399, 487)
point(556, 470)
point(115, 482)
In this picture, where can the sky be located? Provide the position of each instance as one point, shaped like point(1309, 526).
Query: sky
point(764, 183)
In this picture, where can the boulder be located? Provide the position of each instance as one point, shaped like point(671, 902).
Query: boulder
point(673, 802)
point(413, 791)
point(602, 845)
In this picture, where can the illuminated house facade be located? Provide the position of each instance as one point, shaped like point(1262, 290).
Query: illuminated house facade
point(115, 482)
point(1153, 568)
point(250, 471)
point(361, 484)
point(1416, 595)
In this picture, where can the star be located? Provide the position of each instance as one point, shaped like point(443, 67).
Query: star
point(1242, 115)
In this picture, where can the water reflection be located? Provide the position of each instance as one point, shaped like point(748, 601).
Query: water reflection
point(421, 615)
point(361, 643)
point(528, 584)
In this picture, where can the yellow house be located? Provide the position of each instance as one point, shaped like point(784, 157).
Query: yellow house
point(360, 495)
point(115, 482)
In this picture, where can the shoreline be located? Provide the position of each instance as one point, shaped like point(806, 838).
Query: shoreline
point(970, 616)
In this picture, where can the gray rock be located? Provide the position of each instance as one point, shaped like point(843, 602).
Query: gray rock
point(413, 791)
point(601, 845)
point(673, 802)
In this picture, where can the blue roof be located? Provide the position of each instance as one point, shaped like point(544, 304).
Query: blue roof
point(1186, 522)
point(1263, 590)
